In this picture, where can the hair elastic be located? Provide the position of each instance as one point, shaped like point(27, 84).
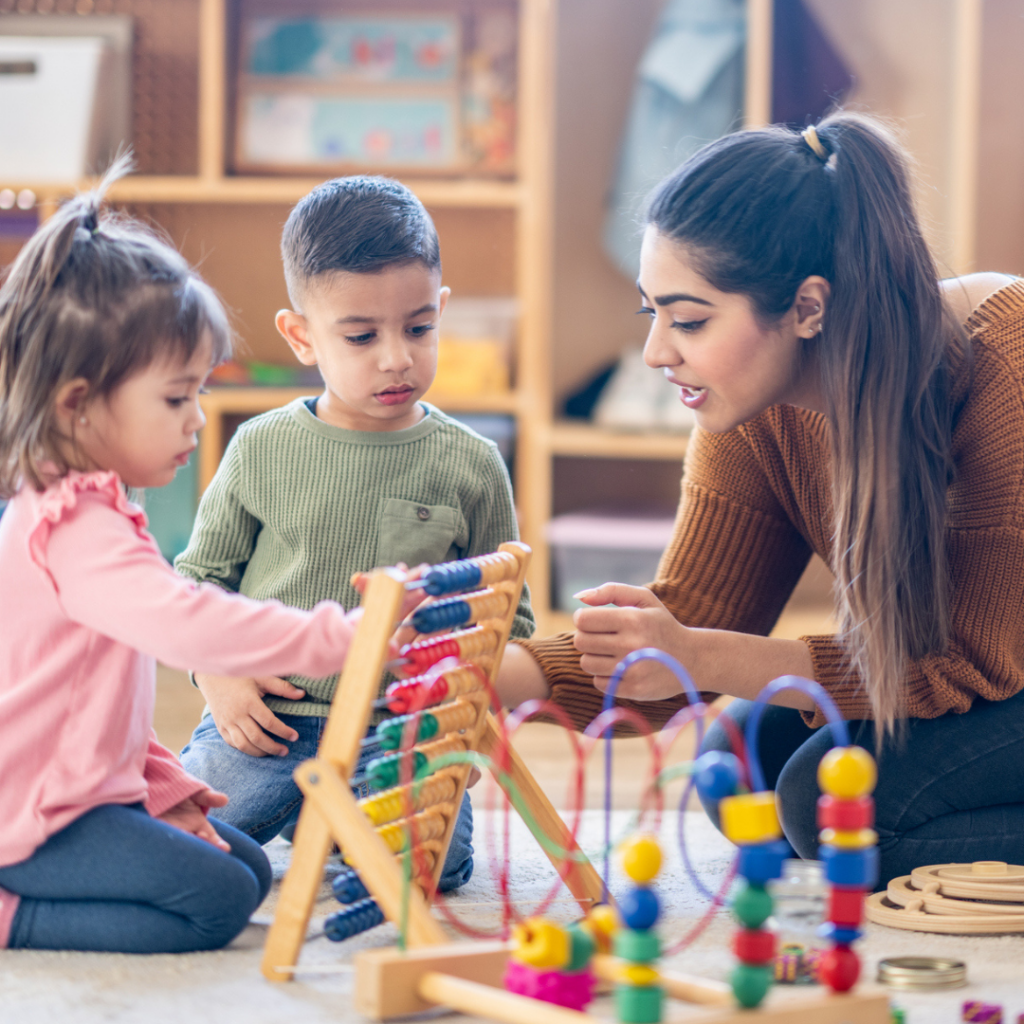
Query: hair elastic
point(810, 136)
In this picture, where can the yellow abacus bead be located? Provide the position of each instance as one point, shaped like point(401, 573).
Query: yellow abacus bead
point(603, 923)
point(847, 773)
point(384, 808)
point(638, 974)
point(852, 839)
point(641, 858)
point(541, 944)
point(749, 818)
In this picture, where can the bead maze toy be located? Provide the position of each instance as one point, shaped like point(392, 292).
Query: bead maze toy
point(546, 973)
point(442, 710)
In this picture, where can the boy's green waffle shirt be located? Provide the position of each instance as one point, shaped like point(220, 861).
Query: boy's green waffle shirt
point(298, 506)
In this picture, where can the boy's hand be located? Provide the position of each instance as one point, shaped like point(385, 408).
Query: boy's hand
point(241, 717)
point(190, 816)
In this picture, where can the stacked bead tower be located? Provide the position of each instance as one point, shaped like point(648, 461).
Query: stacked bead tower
point(750, 821)
point(638, 992)
point(849, 853)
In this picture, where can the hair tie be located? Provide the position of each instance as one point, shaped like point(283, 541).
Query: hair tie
point(810, 136)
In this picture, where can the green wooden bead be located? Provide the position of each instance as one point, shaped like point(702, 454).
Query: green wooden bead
point(638, 1004)
point(752, 905)
point(635, 946)
point(750, 984)
point(581, 948)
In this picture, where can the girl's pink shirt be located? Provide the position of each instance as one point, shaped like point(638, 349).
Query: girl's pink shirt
point(87, 606)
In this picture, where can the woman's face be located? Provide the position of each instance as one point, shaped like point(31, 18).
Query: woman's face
point(709, 344)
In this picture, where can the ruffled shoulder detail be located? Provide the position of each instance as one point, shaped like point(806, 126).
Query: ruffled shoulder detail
point(60, 498)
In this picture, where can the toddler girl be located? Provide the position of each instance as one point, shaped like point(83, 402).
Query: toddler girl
point(106, 338)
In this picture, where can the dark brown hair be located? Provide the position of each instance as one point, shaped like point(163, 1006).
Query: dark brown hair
point(91, 295)
point(359, 224)
point(759, 212)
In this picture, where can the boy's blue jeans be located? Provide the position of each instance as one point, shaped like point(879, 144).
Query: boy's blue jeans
point(265, 799)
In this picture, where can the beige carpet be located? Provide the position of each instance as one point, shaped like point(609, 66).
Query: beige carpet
point(226, 987)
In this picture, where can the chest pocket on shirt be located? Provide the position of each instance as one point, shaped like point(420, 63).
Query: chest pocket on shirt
point(411, 532)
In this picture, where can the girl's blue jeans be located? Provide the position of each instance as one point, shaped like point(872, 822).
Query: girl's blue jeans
point(266, 801)
point(951, 791)
point(118, 881)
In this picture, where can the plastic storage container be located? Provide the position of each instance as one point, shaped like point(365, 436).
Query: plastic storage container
point(589, 549)
point(799, 912)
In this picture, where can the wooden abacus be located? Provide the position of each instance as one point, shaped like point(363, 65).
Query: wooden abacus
point(371, 831)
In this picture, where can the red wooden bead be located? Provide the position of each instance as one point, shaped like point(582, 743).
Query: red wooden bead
point(754, 946)
point(846, 815)
point(839, 968)
point(845, 907)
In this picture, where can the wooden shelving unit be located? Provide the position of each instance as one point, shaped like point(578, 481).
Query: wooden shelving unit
point(955, 93)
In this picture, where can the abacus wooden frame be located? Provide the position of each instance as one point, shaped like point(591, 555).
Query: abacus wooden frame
point(330, 813)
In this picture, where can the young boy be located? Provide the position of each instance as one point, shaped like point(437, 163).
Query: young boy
point(364, 475)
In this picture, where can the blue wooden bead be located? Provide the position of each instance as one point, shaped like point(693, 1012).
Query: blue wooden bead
point(718, 774)
point(841, 935)
point(857, 869)
point(348, 887)
point(360, 917)
point(639, 909)
point(763, 861)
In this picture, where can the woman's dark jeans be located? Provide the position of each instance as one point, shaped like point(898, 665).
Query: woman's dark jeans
point(952, 791)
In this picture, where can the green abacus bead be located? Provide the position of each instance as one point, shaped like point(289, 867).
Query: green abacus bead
point(752, 905)
point(750, 984)
point(635, 946)
point(638, 1004)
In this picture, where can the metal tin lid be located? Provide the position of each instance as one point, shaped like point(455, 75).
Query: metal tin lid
point(920, 972)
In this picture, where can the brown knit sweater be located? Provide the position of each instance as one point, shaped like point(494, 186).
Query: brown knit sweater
point(756, 503)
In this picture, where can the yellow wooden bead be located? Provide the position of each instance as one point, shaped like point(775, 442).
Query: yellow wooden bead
point(541, 944)
point(749, 818)
point(603, 922)
point(641, 858)
point(847, 773)
point(638, 974)
point(852, 839)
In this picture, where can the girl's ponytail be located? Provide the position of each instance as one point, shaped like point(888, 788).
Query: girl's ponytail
point(886, 374)
point(96, 296)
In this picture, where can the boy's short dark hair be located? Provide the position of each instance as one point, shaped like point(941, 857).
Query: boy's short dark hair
point(360, 224)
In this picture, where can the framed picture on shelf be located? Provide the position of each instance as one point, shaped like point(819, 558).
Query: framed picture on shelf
point(394, 89)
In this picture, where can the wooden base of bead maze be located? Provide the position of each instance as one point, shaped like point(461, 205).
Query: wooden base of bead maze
point(983, 898)
point(331, 814)
point(468, 978)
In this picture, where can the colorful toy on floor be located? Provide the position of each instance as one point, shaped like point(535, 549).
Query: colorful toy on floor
point(638, 992)
point(976, 1012)
point(551, 963)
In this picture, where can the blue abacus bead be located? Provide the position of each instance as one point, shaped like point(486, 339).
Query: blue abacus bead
point(639, 909)
point(348, 887)
point(354, 920)
point(838, 934)
point(717, 774)
point(762, 862)
point(855, 869)
point(443, 615)
point(452, 577)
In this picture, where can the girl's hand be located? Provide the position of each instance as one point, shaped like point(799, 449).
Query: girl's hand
point(241, 717)
point(604, 636)
point(189, 816)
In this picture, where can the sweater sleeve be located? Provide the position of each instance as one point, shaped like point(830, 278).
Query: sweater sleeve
point(167, 781)
point(225, 531)
point(733, 560)
point(492, 521)
point(110, 577)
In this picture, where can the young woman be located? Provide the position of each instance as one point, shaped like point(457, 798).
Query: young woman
point(849, 404)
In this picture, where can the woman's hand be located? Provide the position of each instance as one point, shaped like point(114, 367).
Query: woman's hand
point(190, 816)
point(604, 636)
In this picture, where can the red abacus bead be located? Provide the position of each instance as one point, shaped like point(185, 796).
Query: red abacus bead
point(839, 968)
point(754, 946)
point(845, 907)
point(846, 815)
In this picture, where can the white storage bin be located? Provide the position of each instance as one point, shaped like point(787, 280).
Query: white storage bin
point(589, 549)
point(47, 93)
